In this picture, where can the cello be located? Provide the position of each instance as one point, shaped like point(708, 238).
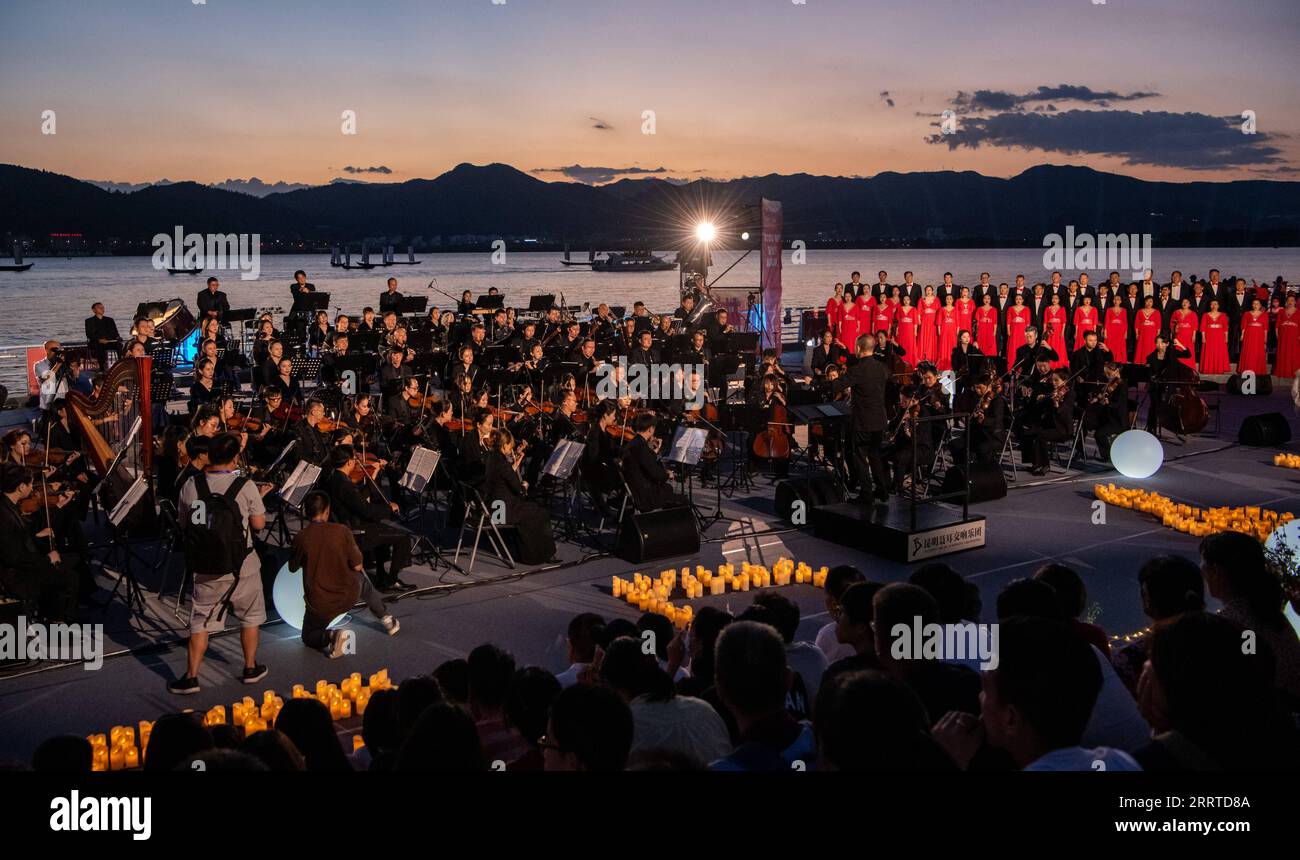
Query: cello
point(1184, 411)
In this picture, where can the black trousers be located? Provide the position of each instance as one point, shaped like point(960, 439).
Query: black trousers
point(388, 545)
point(54, 591)
point(315, 627)
point(1035, 444)
point(867, 463)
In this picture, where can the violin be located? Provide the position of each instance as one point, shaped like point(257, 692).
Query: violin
point(44, 498)
point(366, 468)
point(621, 426)
point(241, 423)
point(288, 412)
point(331, 425)
point(419, 401)
point(56, 457)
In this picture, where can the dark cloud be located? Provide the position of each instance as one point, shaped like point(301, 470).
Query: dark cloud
point(981, 101)
point(379, 169)
point(1189, 140)
point(597, 122)
point(884, 95)
point(598, 175)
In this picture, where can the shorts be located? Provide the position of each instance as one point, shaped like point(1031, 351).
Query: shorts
point(247, 602)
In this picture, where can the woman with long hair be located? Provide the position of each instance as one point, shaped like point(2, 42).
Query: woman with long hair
point(502, 485)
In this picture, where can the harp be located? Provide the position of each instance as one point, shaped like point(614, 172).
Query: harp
point(116, 427)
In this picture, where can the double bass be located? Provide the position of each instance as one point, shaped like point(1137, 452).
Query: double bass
point(1183, 411)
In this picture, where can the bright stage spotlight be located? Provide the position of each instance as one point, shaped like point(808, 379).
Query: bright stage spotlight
point(705, 231)
point(1137, 454)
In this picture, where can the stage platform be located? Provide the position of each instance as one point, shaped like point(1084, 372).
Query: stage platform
point(526, 612)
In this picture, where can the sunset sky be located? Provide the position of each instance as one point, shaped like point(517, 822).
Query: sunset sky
point(152, 89)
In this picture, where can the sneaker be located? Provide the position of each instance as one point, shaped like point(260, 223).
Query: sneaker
point(391, 624)
point(183, 686)
point(253, 674)
point(337, 645)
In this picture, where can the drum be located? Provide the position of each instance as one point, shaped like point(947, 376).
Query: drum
point(176, 321)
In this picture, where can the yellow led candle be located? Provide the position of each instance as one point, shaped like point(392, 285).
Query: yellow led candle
point(357, 742)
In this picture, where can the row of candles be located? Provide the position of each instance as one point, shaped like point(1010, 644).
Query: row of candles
point(1289, 461)
point(118, 749)
point(1251, 519)
point(653, 594)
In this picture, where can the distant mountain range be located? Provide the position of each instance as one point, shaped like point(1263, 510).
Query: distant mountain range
point(470, 205)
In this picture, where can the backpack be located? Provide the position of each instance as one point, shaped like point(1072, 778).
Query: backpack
point(219, 546)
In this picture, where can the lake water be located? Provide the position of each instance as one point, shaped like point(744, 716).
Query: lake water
point(54, 297)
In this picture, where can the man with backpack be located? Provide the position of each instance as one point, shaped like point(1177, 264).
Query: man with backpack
point(219, 511)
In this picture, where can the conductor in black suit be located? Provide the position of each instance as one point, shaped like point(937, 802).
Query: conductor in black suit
point(299, 290)
point(866, 382)
point(212, 302)
point(646, 477)
point(391, 300)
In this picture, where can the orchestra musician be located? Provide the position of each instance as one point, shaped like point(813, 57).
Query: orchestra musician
point(646, 477)
point(391, 299)
point(827, 353)
point(502, 484)
point(388, 546)
point(1045, 417)
point(31, 568)
point(1106, 407)
point(1160, 365)
point(101, 334)
point(313, 444)
point(212, 302)
point(299, 290)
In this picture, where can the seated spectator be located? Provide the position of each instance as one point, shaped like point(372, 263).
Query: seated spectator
point(307, 723)
point(1236, 572)
point(1036, 703)
point(532, 691)
point(175, 738)
point(868, 721)
point(381, 730)
point(414, 695)
point(1115, 720)
point(1072, 596)
point(453, 679)
point(1212, 705)
point(853, 629)
point(700, 642)
point(661, 719)
point(64, 754)
point(662, 628)
point(753, 679)
point(941, 686)
point(838, 579)
point(959, 600)
point(274, 749)
point(490, 673)
point(805, 658)
point(590, 729)
point(1170, 586)
point(443, 740)
point(224, 761)
point(584, 630)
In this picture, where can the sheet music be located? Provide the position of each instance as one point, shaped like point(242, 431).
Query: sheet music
point(128, 501)
point(299, 483)
point(419, 469)
point(688, 444)
point(563, 459)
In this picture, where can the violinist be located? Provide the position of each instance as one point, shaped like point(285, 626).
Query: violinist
point(988, 421)
point(1048, 418)
point(287, 381)
point(397, 342)
point(170, 461)
point(32, 569)
point(313, 445)
point(387, 547)
point(523, 340)
point(393, 376)
point(532, 371)
point(646, 477)
point(562, 425)
point(966, 359)
point(1088, 365)
point(464, 398)
point(474, 447)
point(888, 347)
point(599, 455)
point(1161, 365)
point(502, 484)
point(405, 407)
point(1031, 355)
point(361, 418)
point(827, 353)
point(466, 365)
point(206, 422)
point(197, 449)
point(1105, 411)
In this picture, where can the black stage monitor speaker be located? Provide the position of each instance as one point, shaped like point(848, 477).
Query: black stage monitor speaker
point(659, 534)
point(1263, 384)
point(814, 493)
point(1269, 430)
point(987, 482)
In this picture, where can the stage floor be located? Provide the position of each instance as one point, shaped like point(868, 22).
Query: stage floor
point(1048, 519)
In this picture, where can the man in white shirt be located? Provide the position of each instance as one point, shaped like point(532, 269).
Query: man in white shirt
point(583, 632)
point(50, 377)
point(1036, 703)
point(838, 580)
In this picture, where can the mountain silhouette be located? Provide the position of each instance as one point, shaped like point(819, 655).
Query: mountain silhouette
point(469, 204)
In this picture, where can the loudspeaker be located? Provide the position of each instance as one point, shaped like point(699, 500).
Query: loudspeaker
point(814, 493)
point(659, 534)
point(1265, 431)
point(1263, 384)
point(987, 482)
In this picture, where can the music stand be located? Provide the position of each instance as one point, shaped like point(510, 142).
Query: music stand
point(491, 304)
point(419, 470)
point(240, 315)
point(366, 342)
point(120, 546)
point(312, 302)
point(564, 459)
point(540, 304)
point(292, 493)
point(412, 305)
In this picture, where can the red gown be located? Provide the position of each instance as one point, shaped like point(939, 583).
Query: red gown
point(1054, 316)
point(986, 329)
point(866, 304)
point(1184, 326)
point(1085, 320)
point(906, 317)
point(965, 313)
point(947, 337)
point(1254, 344)
point(849, 329)
point(1214, 344)
point(1117, 333)
point(1288, 344)
point(834, 308)
point(1017, 322)
point(1147, 326)
point(929, 340)
point(883, 318)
